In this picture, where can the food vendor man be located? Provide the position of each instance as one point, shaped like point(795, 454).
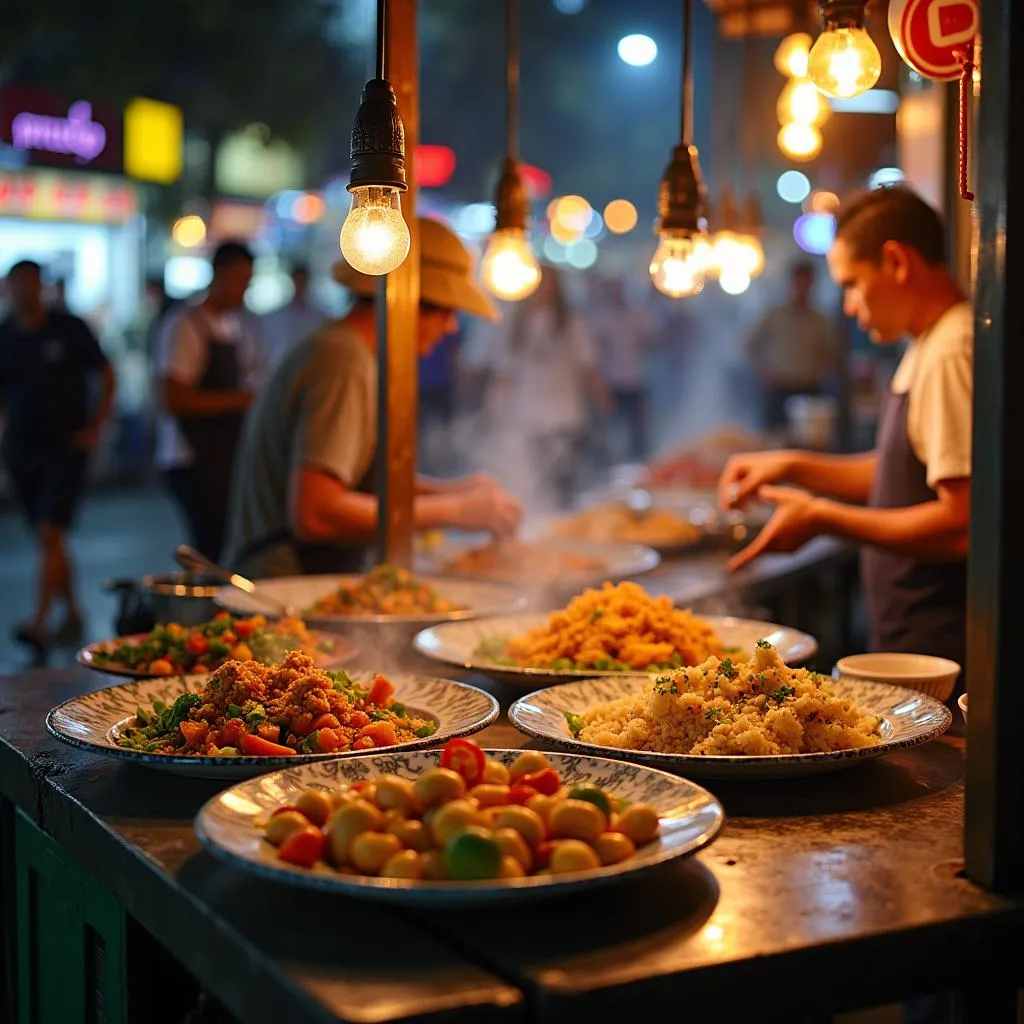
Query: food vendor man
point(907, 501)
point(302, 496)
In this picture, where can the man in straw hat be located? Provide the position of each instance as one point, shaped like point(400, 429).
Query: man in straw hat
point(303, 490)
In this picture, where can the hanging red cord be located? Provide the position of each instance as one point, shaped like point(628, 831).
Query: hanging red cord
point(966, 58)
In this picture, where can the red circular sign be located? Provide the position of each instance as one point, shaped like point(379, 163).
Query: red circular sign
point(931, 35)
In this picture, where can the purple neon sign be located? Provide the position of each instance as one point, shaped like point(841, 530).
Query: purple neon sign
point(76, 135)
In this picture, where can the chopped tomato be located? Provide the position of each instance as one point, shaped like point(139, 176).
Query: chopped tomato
point(160, 667)
point(257, 746)
point(542, 854)
point(230, 732)
point(327, 741)
point(363, 743)
point(520, 793)
point(381, 691)
point(465, 758)
point(358, 719)
point(241, 652)
point(197, 644)
point(220, 616)
point(229, 638)
point(326, 721)
point(243, 627)
point(200, 669)
point(269, 731)
point(304, 847)
point(546, 781)
point(194, 732)
point(302, 725)
point(381, 733)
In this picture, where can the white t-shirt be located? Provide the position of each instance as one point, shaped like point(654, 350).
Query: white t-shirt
point(937, 372)
point(545, 370)
point(181, 355)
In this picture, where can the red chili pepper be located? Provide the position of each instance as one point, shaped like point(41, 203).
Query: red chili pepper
point(465, 758)
point(304, 847)
point(545, 781)
point(520, 794)
point(197, 644)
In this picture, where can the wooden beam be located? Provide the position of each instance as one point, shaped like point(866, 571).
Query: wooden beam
point(398, 300)
point(993, 832)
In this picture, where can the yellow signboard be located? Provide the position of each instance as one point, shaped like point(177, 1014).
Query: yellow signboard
point(153, 139)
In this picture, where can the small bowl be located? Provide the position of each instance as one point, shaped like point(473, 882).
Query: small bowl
point(922, 672)
point(962, 702)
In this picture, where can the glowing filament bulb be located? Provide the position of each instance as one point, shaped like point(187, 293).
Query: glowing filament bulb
point(509, 270)
point(844, 62)
point(679, 266)
point(375, 238)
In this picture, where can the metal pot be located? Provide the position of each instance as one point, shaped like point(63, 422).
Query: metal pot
point(182, 597)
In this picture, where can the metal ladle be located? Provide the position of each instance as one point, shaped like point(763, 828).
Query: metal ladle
point(189, 558)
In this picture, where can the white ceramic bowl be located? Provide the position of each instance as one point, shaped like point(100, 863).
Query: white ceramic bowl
point(962, 701)
point(922, 672)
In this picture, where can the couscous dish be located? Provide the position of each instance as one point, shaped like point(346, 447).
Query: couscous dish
point(721, 707)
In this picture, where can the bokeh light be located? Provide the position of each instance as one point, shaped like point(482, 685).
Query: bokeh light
point(572, 213)
point(189, 231)
point(791, 56)
point(582, 254)
point(886, 176)
point(793, 186)
point(620, 216)
point(815, 232)
point(637, 50)
point(800, 141)
point(307, 209)
point(734, 281)
point(569, 6)
point(822, 202)
point(801, 101)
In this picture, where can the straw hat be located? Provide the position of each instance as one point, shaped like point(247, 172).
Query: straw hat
point(446, 273)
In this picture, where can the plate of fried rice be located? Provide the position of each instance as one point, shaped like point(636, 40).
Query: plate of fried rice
point(246, 717)
point(612, 631)
point(732, 718)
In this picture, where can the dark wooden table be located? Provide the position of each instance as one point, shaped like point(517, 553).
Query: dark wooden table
point(820, 895)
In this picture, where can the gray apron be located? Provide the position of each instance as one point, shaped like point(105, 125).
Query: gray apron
point(913, 606)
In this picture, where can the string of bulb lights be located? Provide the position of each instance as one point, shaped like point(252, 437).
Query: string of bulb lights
point(843, 62)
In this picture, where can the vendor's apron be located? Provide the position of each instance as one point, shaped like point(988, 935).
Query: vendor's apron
point(214, 440)
point(913, 606)
point(312, 558)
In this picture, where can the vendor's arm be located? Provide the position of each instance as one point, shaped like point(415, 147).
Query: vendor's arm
point(845, 477)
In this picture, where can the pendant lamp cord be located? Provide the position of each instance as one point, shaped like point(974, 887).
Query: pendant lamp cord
point(382, 45)
point(686, 127)
point(512, 78)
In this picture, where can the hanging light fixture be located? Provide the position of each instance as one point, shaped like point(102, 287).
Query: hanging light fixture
point(375, 238)
point(678, 266)
point(791, 55)
point(509, 269)
point(844, 61)
point(751, 255)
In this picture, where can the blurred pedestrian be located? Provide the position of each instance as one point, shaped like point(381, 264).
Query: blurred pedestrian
point(792, 349)
point(49, 364)
point(303, 498)
point(297, 319)
point(209, 363)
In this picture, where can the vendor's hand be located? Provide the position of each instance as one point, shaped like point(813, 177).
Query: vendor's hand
point(488, 508)
point(476, 481)
point(795, 521)
point(86, 439)
point(746, 473)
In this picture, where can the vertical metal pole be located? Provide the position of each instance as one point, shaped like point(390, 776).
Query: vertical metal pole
point(994, 838)
point(398, 300)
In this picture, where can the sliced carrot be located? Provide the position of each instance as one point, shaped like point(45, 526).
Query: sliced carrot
point(257, 746)
point(381, 691)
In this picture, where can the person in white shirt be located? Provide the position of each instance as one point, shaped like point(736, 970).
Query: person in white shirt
point(544, 369)
point(907, 501)
point(791, 349)
point(209, 363)
point(297, 319)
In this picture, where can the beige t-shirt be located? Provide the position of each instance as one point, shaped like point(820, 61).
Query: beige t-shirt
point(937, 372)
point(795, 345)
point(317, 409)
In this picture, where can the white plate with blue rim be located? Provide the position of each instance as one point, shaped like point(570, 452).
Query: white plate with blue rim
point(95, 722)
point(228, 825)
point(906, 719)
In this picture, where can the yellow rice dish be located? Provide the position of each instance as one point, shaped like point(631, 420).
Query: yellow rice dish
point(617, 628)
point(755, 708)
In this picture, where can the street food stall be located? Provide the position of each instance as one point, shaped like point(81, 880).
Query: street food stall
point(411, 796)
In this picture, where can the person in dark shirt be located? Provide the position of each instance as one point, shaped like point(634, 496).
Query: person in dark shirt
point(53, 415)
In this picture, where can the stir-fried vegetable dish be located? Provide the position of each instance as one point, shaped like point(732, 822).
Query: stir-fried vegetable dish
point(385, 590)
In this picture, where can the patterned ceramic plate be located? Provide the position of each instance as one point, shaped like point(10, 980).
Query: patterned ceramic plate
point(458, 643)
point(92, 721)
point(690, 819)
point(908, 719)
point(471, 598)
point(616, 562)
point(333, 651)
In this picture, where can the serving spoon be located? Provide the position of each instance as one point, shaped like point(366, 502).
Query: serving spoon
point(189, 558)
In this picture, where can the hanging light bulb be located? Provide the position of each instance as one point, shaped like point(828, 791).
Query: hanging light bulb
point(509, 269)
point(734, 282)
point(791, 56)
point(679, 265)
point(751, 256)
point(844, 61)
point(801, 101)
point(800, 141)
point(375, 238)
